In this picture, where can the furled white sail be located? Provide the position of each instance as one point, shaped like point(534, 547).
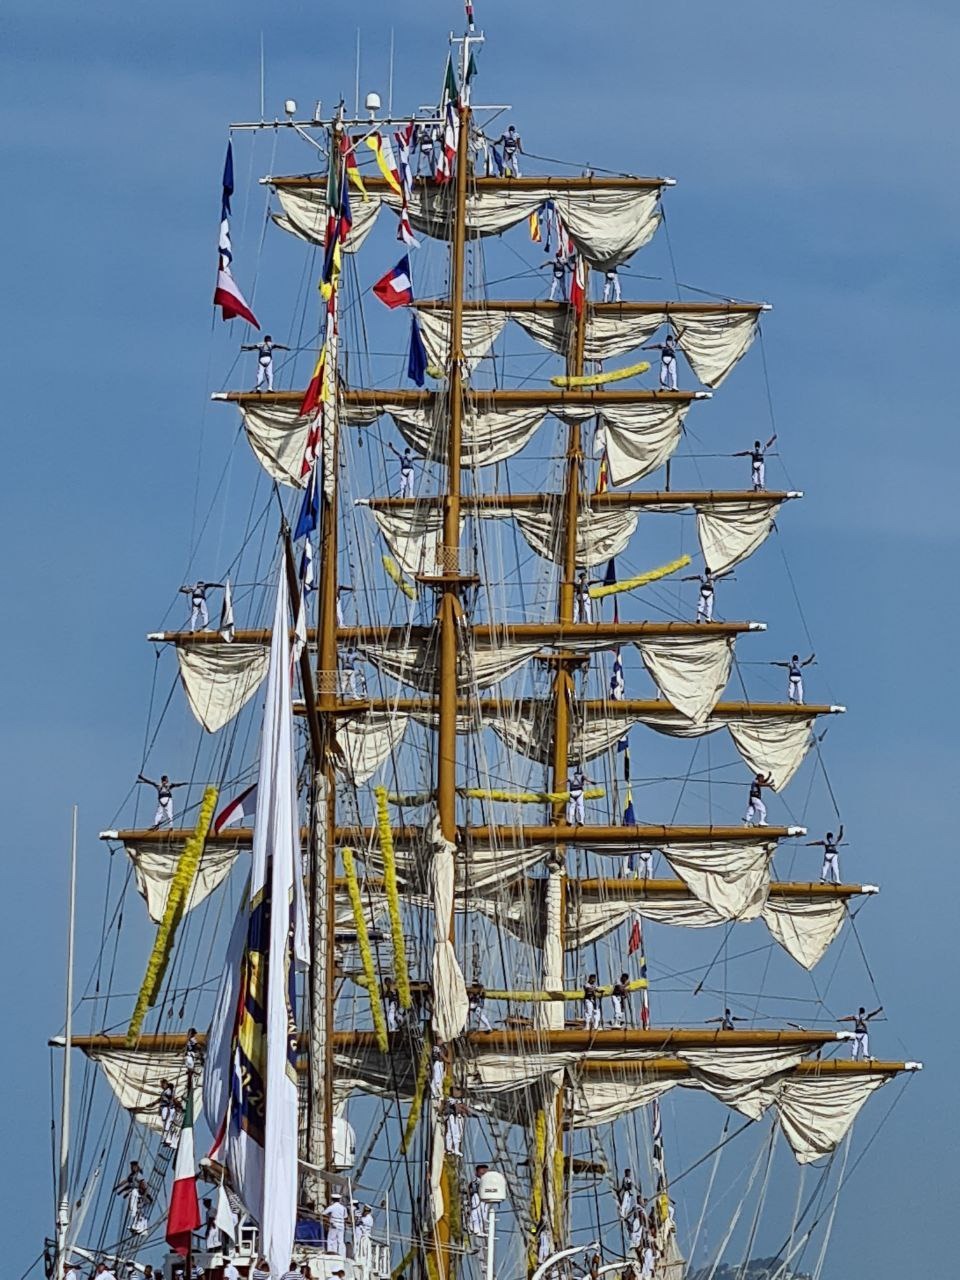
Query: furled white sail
point(488, 435)
point(600, 534)
point(479, 331)
point(639, 437)
point(607, 224)
point(804, 927)
point(550, 1013)
point(485, 663)
point(731, 531)
point(367, 741)
point(136, 1077)
point(450, 1001)
point(714, 343)
point(690, 671)
point(745, 1078)
point(305, 215)
point(774, 745)
point(220, 679)
point(154, 865)
point(731, 878)
point(816, 1112)
point(277, 434)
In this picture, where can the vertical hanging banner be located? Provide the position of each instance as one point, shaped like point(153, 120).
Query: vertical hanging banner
point(259, 1143)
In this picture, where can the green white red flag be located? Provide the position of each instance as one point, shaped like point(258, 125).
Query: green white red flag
point(183, 1217)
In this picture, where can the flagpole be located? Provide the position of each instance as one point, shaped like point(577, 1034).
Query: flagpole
point(188, 1261)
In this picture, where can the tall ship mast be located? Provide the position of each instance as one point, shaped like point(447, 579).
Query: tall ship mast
point(476, 741)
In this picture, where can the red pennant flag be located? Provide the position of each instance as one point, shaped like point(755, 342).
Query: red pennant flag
point(636, 937)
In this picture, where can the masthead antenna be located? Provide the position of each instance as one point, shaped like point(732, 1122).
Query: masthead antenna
point(356, 81)
point(390, 81)
point(262, 80)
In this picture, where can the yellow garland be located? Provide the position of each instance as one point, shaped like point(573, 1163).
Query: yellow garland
point(641, 580)
point(366, 955)
point(530, 797)
point(410, 798)
point(598, 379)
point(538, 1163)
point(416, 1106)
point(393, 898)
point(393, 571)
point(180, 888)
point(558, 1196)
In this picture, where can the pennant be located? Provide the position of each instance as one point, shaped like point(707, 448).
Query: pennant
point(610, 573)
point(308, 575)
point(469, 8)
point(577, 286)
point(183, 1216)
point(354, 175)
point(629, 817)
point(472, 64)
point(395, 289)
point(240, 811)
point(226, 614)
point(635, 941)
point(533, 222)
point(299, 635)
point(228, 298)
point(405, 139)
point(314, 392)
point(603, 476)
point(260, 1141)
point(616, 678)
point(450, 91)
point(383, 154)
point(309, 516)
point(624, 746)
point(448, 152)
point(417, 361)
point(225, 1219)
point(405, 226)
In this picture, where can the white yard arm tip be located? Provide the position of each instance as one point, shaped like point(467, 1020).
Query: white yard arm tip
point(703, 395)
point(57, 1042)
point(796, 831)
point(157, 636)
point(837, 709)
point(869, 888)
point(756, 626)
point(219, 395)
point(669, 182)
point(913, 1066)
point(766, 306)
point(795, 493)
point(109, 835)
point(554, 1258)
point(361, 502)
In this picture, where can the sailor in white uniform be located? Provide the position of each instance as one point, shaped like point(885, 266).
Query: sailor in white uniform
point(167, 1106)
point(512, 150)
point(164, 789)
point(668, 359)
point(861, 1031)
point(455, 1114)
point(611, 285)
point(626, 1199)
point(727, 1020)
point(830, 871)
point(437, 1073)
point(794, 669)
point(583, 610)
point(353, 676)
point(591, 1004)
point(340, 593)
point(705, 600)
point(576, 812)
point(199, 613)
point(477, 996)
point(406, 471)
point(620, 997)
point(336, 1216)
point(758, 466)
point(139, 1203)
point(265, 350)
point(558, 282)
point(363, 1237)
point(214, 1240)
point(391, 1004)
point(756, 815)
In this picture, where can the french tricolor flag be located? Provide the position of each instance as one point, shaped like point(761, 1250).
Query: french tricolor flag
point(241, 810)
point(395, 289)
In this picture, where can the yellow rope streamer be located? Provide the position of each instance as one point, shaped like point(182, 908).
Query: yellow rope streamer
point(530, 797)
point(369, 979)
point(412, 799)
point(558, 1196)
point(393, 571)
point(392, 892)
point(569, 381)
point(641, 580)
point(536, 1179)
point(180, 887)
point(416, 1106)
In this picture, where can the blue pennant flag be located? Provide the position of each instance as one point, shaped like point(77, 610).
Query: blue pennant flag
point(629, 817)
point(610, 577)
point(417, 363)
point(227, 183)
point(310, 508)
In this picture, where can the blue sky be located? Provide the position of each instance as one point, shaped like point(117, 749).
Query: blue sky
point(813, 148)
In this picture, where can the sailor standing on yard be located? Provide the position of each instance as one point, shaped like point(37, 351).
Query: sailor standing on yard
point(830, 871)
point(620, 997)
point(583, 605)
point(591, 1004)
point(707, 580)
point(727, 1021)
point(512, 150)
point(861, 1031)
point(406, 470)
point(165, 789)
point(558, 283)
point(266, 349)
point(756, 815)
point(668, 359)
point(199, 613)
point(576, 813)
point(758, 467)
point(611, 285)
point(794, 669)
point(477, 996)
point(352, 675)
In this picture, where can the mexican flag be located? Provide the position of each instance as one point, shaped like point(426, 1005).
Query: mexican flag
point(184, 1215)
